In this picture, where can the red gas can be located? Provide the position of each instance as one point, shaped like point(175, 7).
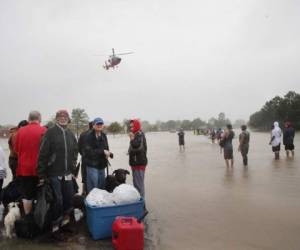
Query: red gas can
point(127, 234)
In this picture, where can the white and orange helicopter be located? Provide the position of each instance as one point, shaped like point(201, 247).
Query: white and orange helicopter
point(114, 60)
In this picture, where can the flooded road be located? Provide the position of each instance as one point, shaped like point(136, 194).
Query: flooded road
point(196, 203)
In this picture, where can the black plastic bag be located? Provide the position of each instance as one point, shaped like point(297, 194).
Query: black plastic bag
point(45, 198)
point(11, 193)
point(26, 227)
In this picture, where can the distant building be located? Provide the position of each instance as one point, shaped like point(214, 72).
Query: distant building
point(4, 132)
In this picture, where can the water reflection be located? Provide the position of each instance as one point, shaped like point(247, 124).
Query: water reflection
point(245, 172)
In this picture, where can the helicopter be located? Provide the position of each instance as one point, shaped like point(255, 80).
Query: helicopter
point(114, 60)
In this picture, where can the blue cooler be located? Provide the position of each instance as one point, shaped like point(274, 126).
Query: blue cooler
point(100, 219)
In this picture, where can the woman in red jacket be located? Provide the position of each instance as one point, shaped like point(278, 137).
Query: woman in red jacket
point(138, 155)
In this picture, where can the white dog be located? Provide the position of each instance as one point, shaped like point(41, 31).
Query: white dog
point(11, 217)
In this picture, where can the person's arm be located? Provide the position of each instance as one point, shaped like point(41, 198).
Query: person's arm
point(16, 143)
point(80, 144)
point(284, 137)
point(44, 156)
point(2, 158)
point(106, 147)
point(272, 138)
point(241, 140)
point(293, 133)
point(145, 143)
point(74, 155)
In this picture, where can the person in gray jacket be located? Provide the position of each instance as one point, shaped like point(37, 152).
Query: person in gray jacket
point(244, 139)
point(57, 163)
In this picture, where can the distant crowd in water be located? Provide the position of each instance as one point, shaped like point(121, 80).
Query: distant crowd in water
point(224, 139)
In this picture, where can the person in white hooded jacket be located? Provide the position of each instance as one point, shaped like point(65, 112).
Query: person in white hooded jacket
point(2, 168)
point(276, 140)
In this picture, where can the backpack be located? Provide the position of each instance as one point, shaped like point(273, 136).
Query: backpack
point(222, 142)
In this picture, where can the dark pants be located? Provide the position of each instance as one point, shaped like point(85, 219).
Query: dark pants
point(244, 152)
point(63, 193)
point(28, 186)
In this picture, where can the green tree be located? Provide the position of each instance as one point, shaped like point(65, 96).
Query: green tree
point(198, 123)
point(115, 128)
point(186, 125)
point(277, 109)
point(79, 121)
point(171, 124)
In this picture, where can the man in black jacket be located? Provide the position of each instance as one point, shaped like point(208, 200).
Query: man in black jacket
point(96, 151)
point(57, 163)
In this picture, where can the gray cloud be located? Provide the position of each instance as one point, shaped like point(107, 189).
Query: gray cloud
point(192, 58)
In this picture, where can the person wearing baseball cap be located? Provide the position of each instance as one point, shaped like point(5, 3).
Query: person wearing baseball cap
point(96, 151)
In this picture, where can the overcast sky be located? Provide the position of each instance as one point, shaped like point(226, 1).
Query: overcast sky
point(191, 58)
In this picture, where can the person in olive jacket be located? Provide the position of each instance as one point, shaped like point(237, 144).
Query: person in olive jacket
point(57, 163)
point(138, 155)
point(96, 151)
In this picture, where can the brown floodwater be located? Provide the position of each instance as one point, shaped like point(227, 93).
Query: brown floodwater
point(196, 203)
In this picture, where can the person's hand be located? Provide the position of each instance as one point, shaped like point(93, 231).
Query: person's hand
point(41, 182)
point(131, 136)
point(107, 153)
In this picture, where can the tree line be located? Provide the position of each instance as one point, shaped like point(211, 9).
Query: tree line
point(80, 120)
point(279, 109)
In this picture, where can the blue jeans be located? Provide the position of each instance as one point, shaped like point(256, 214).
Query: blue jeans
point(95, 178)
point(63, 192)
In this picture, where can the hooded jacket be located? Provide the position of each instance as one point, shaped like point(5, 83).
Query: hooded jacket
point(58, 153)
point(138, 146)
point(276, 135)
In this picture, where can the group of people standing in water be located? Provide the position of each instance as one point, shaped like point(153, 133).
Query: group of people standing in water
point(288, 139)
point(225, 137)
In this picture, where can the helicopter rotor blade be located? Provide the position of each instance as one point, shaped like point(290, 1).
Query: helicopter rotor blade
point(124, 53)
